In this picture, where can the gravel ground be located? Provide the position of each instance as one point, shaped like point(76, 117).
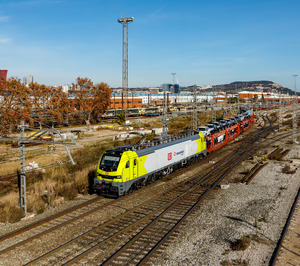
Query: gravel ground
point(258, 210)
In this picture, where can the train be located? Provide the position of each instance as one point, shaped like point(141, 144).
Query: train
point(128, 168)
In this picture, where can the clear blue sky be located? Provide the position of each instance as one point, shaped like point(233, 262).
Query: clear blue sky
point(204, 42)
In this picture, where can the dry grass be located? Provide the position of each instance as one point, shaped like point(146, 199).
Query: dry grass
point(9, 212)
point(179, 124)
point(36, 204)
point(150, 125)
point(43, 160)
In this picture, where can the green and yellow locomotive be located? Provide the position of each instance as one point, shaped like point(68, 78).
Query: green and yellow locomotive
point(128, 168)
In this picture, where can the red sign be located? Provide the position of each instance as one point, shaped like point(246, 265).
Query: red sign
point(170, 156)
point(3, 73)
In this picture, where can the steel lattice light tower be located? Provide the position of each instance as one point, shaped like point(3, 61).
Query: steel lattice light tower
point(125, 22)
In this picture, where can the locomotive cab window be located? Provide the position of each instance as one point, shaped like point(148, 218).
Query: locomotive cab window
point(134, 162)
point(109, 162)
point(127, 164)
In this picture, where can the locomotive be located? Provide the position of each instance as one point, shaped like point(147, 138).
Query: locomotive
point(130, 167)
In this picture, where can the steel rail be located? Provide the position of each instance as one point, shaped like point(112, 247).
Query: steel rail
point(250, 178)
point(244, 179)
point(284, 231)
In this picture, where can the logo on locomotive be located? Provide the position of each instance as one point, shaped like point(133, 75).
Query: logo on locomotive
point(174, 154)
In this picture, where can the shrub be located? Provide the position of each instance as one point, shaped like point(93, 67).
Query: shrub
point(120, 119)
point(241, 244)
point(68, 191)
point(287, 170)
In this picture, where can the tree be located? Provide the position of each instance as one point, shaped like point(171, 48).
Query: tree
point(101, 100)
point(91, 101)
point(15, 104)
point(255, 98)
point(40, 97)
point(43, 104)
point(83, 90)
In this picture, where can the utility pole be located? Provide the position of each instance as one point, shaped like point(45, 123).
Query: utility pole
point(195, 112)
point(213, 110)
point(125, 22)
point(280, 113)
point(295, 113)
point(238, 110)
point(23, 204)
point(165, 116)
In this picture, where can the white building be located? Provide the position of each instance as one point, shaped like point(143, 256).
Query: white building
point(66, 88)
point(27, 80)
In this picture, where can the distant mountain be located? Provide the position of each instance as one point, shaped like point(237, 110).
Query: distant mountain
point(238, 85)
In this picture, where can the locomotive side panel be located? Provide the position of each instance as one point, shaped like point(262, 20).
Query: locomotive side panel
point(173, 154)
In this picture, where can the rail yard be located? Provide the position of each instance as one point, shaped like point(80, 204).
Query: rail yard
point(227, 208)
point(191, 158)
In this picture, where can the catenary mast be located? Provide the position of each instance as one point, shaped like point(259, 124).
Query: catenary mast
point(295, 112)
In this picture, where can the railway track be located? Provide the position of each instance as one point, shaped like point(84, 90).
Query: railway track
point(147, 224)
point(53, 222)
point(280, 247)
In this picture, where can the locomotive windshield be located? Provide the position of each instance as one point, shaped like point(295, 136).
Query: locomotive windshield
point(109, 163)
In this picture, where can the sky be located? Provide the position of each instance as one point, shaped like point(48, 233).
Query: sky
point(203, 42)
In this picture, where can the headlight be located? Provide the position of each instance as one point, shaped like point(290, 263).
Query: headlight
point(118, 177)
